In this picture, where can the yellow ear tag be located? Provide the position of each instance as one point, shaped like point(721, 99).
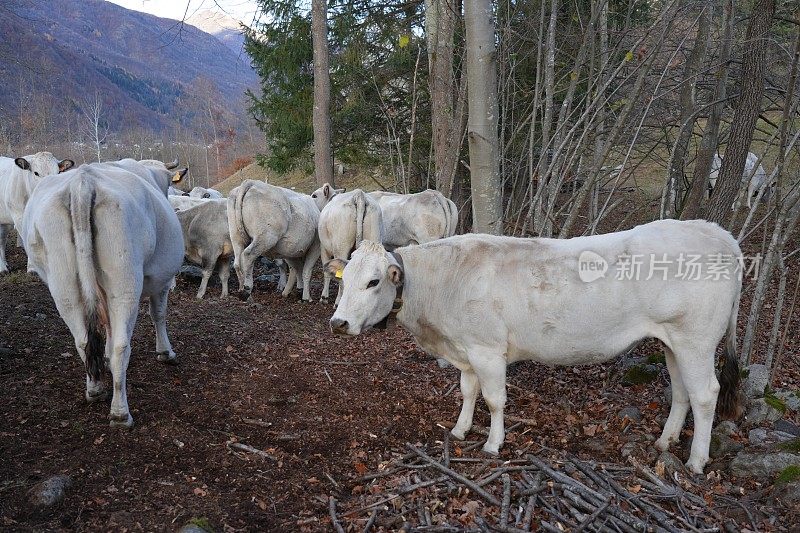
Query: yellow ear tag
point(177, 177)
point(338, 274)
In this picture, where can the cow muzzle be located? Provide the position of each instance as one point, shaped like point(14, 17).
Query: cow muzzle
point(339, 326)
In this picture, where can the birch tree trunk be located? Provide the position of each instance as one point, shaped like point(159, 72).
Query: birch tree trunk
point(482, 123)
point(708, 145)
point(323, 160)
point(747, 112)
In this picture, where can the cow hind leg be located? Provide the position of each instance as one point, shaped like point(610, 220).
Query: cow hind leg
point(207, 270)
point(469, 391)
point(122, 316)
point(158, 313)
point(308, 265)
point(490, 368)
point(4, 229)
point(326, 278)
point(295, 266)
point(224, 272)
point(65, 295)
point(696, 367)
point(680, 404)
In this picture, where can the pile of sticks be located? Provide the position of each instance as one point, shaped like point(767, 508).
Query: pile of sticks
point(531, 493)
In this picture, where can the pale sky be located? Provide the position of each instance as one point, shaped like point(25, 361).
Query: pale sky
point(175, 9)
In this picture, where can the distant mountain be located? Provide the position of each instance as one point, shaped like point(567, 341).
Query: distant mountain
point(146, 69)
point(224, 27)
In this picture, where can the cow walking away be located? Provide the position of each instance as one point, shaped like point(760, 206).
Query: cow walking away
point(18, 178)
point(346, 221)
point(483, 301)
point(101, 237)
point(207, 241)
point(267, 220)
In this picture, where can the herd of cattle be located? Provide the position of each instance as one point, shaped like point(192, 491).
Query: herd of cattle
point(103, 235)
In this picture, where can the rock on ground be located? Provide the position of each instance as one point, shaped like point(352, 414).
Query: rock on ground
point(671, 462)
point(760, 411)
point(630, 412)
point(757, 380)
point(50, 491)
point(790, 398)
point(762, 465)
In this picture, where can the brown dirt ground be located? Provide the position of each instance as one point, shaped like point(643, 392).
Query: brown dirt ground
point(335, 408)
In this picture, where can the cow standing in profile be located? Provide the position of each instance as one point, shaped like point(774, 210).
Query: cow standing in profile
point(482, 302)
point(101, 237)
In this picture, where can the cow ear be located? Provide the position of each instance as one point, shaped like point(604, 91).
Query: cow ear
point(396, 275)
point(22, 163)
point(335, 267)
point(326, 191)
point(178, 176)
point(65, 164)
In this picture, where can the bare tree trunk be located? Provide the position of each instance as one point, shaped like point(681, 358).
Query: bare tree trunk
point(677, 161)
point(323, 160)
point(544, 226)
point(708, 146)
point(482, 122)
point(747, 112)
point(440, 18)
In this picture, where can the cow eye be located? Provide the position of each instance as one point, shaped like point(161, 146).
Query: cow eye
point(313, 196)
point(36, 173)
point(373, 283)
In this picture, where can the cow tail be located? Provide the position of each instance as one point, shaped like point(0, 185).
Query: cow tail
point(361, 208)
point(82, 201)
point(728, 405)
point(239, 208)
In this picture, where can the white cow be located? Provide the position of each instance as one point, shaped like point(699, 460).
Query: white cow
point(348, 219)
point(181, 203)
point(18, 178)
point(174, 191)
point(207, 241)
point(275, 222)
point(102, 236)
point(482, 302)
point(202, 192)
point(415, 218)
point(754, 177)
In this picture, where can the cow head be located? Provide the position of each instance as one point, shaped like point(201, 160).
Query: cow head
point(43, 164)
point(324, 194)
point(369, 283)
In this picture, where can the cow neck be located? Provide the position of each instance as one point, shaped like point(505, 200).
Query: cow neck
point(398, 298)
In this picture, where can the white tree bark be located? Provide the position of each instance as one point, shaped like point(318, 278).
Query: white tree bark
point(482, 123)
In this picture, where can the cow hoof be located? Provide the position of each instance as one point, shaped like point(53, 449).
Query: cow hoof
point(167, 357)
point(458, 435)
point(494, 451)
point(243, 295)
point(121, 421)
point(662, 445)
point(695, 467)
point(95, 396)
